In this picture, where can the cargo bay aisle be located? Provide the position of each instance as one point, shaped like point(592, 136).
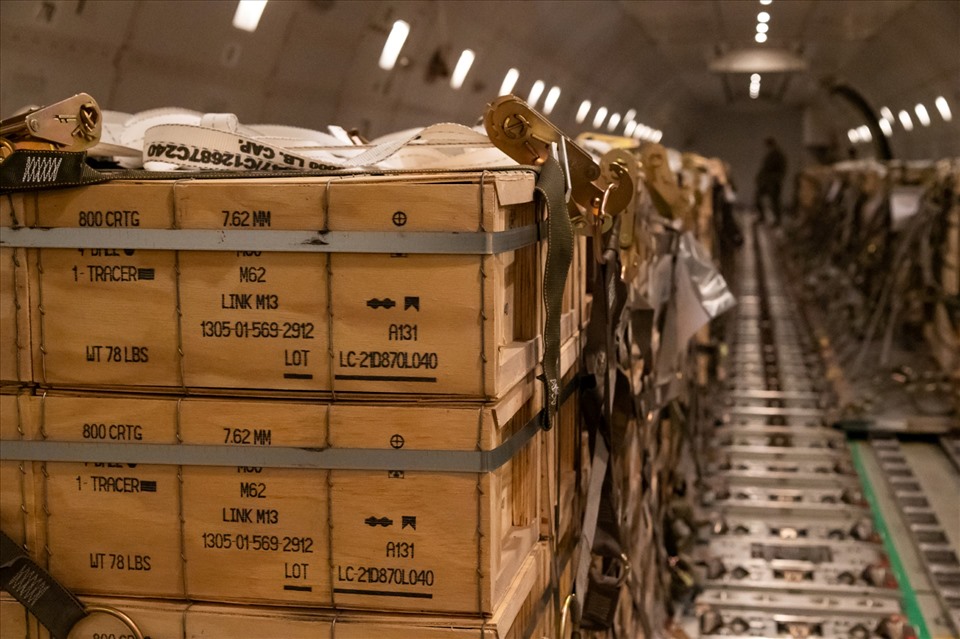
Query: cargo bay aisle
point(790, 520)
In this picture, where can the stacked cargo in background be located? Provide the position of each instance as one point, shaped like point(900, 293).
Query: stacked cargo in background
point(878, 246)
point(335, 351)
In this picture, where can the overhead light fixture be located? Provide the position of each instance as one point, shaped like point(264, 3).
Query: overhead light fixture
point(906, 121)
point(922, 114)
point(766, 2)
point(614, 122)
point(944, 109)
point(463, 67)
point(391, 49)
point(853, 136)
point(656, 136)
point(583, 111)
point(887, 114)
point(552, 96)
point(248, 14)
point(864, 132)
point(509, 81)
point(535, 92)
point(760, 37)
point(630, 128)
point(630, 115)
point(885, 127)
point(641, 132)
point(763, 16)
point(755, 77)
point(759, 60)
point(599, 117)
point(762, 27)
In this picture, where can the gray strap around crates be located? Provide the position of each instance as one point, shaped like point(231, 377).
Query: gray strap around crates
point(551, 185)
point(56, 608)
point(454, 461)
point(433, 242)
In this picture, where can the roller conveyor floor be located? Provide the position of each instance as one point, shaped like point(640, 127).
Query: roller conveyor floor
point(807, 535)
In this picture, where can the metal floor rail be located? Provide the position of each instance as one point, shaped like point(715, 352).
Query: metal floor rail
point(936, 552)
point(789, 549)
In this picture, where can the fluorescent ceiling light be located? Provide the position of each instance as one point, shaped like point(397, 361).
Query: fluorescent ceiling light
point(906, 121)
point(853, 136)
point(755, 77)
point(762, 27)
point(391, 49)
point(552, 96)
point(463, 67)
point(630, 115)
point(944, 109)
point(509, 81)
point(535, 92)
point(583, 111)
point(887, 114)
point(763, 16)
point(760, 37)
point(885, 127)
point(656, 136)
point(599, 117)
point(630, 128)
point(766, 2)
point(864, 131)
point(614, 122)
point(756, 60)
point(922, 114)
point(248, 14)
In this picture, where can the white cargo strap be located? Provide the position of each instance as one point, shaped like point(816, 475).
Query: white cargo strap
point(171, 138)
point(219, 143)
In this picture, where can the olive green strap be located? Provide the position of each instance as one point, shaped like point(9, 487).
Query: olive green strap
point(56, 608)
point(559, 255)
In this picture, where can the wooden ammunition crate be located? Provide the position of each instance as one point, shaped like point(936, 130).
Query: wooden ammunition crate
point(15, 352)
point(366, 539)
point(524, 612)
point(15, 623)
point(430, 324)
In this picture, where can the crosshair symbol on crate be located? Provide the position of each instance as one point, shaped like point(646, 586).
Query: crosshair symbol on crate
point(399, 218)
point(397, 441)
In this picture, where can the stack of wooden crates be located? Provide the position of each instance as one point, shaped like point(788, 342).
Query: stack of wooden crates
point(353, 351)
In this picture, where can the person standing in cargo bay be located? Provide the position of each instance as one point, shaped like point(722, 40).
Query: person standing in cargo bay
point(770, 179)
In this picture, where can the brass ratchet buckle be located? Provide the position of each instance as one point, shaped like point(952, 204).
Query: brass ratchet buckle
point(73, 124)
point(597, 193)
